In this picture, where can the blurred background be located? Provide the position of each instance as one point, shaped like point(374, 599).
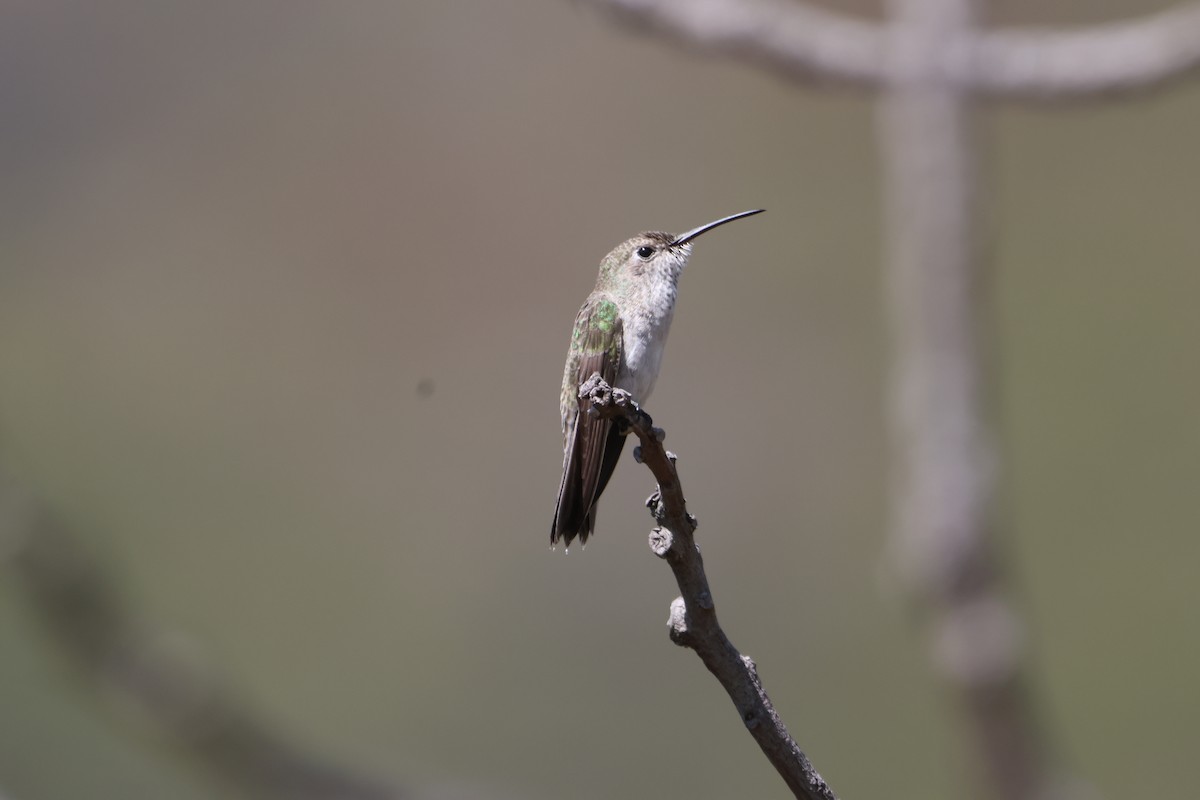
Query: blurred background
point(285, 291)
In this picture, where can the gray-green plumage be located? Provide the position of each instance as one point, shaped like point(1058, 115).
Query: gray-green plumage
point(620, 332)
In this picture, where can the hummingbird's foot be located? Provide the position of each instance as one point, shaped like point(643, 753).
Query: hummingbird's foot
point(597, 393)
point(622, 398)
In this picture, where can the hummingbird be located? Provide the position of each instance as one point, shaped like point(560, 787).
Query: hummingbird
point(620, 332)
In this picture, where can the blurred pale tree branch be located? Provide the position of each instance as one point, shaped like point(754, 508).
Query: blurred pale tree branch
point(812, 43)
point(931, 62)
point(693, 622)
point(159, 674)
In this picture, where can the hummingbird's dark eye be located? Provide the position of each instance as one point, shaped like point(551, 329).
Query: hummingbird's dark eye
point(645, 251)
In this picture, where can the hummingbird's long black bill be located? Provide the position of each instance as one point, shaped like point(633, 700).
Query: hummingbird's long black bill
point(684, 238)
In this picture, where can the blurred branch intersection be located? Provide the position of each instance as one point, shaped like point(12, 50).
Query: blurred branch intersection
point(693, 621)
point(931, 61)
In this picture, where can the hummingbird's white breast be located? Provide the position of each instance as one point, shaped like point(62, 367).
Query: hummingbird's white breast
point(644, 346)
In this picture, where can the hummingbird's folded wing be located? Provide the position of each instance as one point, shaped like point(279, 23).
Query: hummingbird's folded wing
point(593, 446)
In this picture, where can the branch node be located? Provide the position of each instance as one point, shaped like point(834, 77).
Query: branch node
point(978, 643)
point(659, 434)
point(661, 541)
point(637, 454)
point(704, 600)
point(678, 623)
point(655, 504)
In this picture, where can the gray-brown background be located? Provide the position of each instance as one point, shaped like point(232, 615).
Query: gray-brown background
point(240, 242)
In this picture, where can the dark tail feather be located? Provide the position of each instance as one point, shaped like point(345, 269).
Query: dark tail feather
point(575, 515)
point(612, 454)
point(567, 514)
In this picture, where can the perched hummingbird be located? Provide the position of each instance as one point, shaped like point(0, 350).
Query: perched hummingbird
point(620, 332)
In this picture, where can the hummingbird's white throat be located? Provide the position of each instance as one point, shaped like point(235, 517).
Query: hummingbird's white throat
point(646, 328)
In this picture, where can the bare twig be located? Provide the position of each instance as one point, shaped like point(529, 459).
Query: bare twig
point(158, 674)
point(693, 621)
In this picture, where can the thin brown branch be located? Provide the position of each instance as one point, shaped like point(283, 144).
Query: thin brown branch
point(796, 39)
point(693, 621)
point(1060, 63)
point(159, 674)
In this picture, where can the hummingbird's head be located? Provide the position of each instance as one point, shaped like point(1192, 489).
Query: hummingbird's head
point(654, 255)
point(646, 256)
